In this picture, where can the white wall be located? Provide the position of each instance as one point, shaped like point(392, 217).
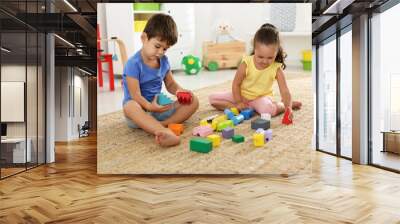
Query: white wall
point(68, 81)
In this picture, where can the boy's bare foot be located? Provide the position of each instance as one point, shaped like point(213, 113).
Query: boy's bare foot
point(296, 105)
point(166, 138)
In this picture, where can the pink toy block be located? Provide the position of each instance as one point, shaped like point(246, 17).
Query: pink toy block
point(202, 131)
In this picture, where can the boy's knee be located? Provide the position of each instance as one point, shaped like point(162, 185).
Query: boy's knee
point(195, 102)
point(131, 105)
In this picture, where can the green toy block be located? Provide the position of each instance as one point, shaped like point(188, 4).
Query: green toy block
point(238, 138)
point(201, 145)
point(163, 99)
point(224, 124)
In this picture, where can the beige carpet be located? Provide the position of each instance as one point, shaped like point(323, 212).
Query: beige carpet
point(122, 150)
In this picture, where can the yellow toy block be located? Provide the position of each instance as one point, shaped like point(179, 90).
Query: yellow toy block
point(258, 139)
point(203, 123)
point(215, 139)
point(217, 120)
point(235, 111)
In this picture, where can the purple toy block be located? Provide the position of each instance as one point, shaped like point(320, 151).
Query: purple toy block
point(228, 132)
point(268, 135)
point(202, 131)
point(247, 113)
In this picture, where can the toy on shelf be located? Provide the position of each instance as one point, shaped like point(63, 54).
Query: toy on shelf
point(191, 64)
point(215, 139)
point(286, 117)
point(260, 123)
point(224, 124)
point(202, 131)
point(238, 138)
point(163, 99)
point(266, 116)
point(176, 128)
point(235, 111)
point(247, 113)
point(258, 139)
point(223, 55)
point(184, 97)
point(228, 132)
point(201, 145)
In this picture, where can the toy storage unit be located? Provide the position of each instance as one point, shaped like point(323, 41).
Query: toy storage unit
point(226, 55)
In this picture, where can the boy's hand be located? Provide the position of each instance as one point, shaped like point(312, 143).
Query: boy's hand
point(155, 107)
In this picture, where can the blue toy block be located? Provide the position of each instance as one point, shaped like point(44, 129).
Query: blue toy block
point(247, 113)
point(163, 99)
point(237, 119)
point(229, 114)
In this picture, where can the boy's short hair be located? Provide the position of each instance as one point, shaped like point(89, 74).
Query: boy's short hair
point(163, 27)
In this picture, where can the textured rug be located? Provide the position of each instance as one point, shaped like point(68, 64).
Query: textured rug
point(121, 150)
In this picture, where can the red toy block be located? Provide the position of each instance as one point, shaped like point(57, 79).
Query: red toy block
point(184, 97)
point(286, 119)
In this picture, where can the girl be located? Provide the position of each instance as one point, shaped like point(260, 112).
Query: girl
point(252, 85)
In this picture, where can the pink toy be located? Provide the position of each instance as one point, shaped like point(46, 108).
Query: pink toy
point(184, 97)
point(286, 119)
point(202, 131)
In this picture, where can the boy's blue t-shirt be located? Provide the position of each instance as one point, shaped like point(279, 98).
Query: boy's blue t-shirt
point(150, 79)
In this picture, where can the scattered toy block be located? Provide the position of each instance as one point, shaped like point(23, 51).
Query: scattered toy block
point(224, 124)
point(229, 114)
point(201, 145)
point(209, 119)
point(268, 135)
point(217, 120)
point(247, 113)
point(238, 138)
point(266, 116)
point(235, 111)
point(286, 119)
point(260, 130)
point(184, 97)
point(215, 139)
point(204, 122)
point(258, 139)
point(260, 123)
point(163, 99)
point(228, 132)
point(202, 131)
point(176, 128)
point(238, 119)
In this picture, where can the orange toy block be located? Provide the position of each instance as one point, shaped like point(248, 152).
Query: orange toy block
point(176, 128)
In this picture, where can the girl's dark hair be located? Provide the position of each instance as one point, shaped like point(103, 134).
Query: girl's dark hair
point(269, 34)
point(162, 26)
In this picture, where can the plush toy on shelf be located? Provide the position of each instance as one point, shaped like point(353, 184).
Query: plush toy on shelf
point(191, 64)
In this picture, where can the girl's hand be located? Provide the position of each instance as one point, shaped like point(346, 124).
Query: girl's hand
point(240, 106)
point(155, 107)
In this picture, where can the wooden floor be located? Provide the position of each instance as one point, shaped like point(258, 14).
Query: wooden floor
point(69, 191)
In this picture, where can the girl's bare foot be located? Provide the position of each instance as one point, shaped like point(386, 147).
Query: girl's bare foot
point(296, 105)
point(166, 138)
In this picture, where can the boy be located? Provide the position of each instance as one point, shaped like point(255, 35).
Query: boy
point(142, 82)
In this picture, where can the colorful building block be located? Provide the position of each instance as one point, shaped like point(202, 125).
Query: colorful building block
point(238, 138)
point(247, 113)
point(211, 118)
point(286, 118)
point(268, 135)
point(176, 128)
point(201, 145)
point(238, 119)
point(204, 122)
point(258, 139)
point(217, 120)
point(235, 111)
point(260, 123)
point(184, 97)
point(228, 132)
point(229, 114)
point(266, 116)
point(202, 131)
point(215, 139)
point(224, 124)
point(163, 99)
